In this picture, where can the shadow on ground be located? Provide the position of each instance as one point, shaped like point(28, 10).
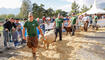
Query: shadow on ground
point(7, 53)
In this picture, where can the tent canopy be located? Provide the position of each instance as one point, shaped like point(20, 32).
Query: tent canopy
point(95, 10)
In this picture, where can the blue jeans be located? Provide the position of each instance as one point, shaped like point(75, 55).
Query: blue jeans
point(7, 37)
point(43, 28)
point(43, 31)
point(73, 29)
point(15, 37)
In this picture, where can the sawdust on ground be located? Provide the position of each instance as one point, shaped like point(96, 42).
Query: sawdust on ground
point(61, 50)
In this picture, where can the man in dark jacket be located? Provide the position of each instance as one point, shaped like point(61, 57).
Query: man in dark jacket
point(8, 27)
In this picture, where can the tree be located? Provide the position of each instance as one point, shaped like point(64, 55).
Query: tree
point(84, 9)
point(35, 10)
point(49, 12)
point(25, 9)
point(59, 11)
point(10, 16)
point(3, 16)
point(38, 11)
point(91, 6)
point(41, 10)
point(75, 8)
point(63, 13)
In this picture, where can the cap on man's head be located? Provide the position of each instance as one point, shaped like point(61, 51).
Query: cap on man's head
point(25, 19)
point(16, 19)
point(30, 14)
point(73, 13)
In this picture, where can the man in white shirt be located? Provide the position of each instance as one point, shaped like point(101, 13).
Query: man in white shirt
point(85, 19)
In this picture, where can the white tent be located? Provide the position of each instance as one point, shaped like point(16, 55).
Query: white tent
point(95, 10)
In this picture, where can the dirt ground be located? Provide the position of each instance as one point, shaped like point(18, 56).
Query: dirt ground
point(78, 47)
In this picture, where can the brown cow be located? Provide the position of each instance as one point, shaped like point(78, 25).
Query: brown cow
point(68, 30)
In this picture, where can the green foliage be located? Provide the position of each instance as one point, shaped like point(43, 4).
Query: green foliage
point(59, 11)
point(4, 16)
point(35, 10)
point(49, 12)
point(25, 9)
point(75, 8)
point(84, 9)
point(64, 13)
point(10, 15)
point(38, 11)
point(91, 6)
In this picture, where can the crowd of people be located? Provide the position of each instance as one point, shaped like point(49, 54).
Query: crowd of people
point(16, 32)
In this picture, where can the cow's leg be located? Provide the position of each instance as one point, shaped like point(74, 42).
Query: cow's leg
point(70, 33)
point(45, 44)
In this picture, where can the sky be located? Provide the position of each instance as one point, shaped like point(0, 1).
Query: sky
point(55, 4)
point(10, 3)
